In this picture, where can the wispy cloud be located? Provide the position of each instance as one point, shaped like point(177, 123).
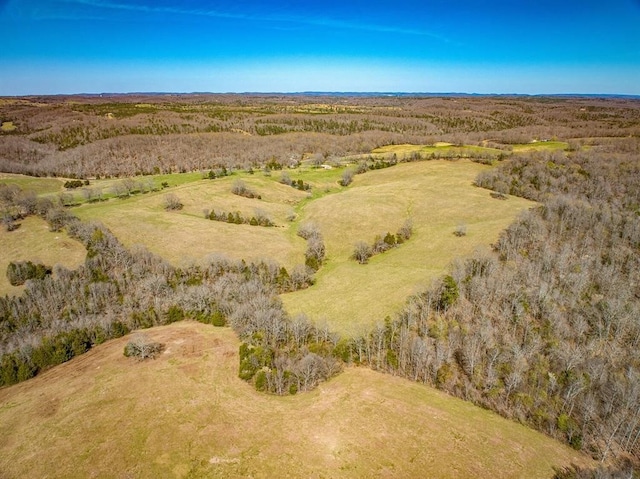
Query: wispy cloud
point(292, 19)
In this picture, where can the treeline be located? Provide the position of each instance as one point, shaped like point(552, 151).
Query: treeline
point(544, 329)
point(258, 219)
point(315, 252)
point(118, 290)
point(16, 204)
point(362, 252)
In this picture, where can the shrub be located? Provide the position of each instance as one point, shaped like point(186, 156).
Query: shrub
point(461, 230)
point(362, 252)
point(362, 167)
point(72, 184)
point(141, 347)
point(308, 230)
point(174, 313)
point(405, 231)
point(314, 255)
point(240, 188)
point(172, 202)
point(8, 221)
point(58, 218)
point(20, 271)
point(347, 177)
point(285, 179)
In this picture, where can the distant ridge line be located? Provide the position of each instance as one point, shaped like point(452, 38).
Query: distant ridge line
point(346, 94)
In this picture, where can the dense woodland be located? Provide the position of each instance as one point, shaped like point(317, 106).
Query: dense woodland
point(89, 136)
point(543, 328)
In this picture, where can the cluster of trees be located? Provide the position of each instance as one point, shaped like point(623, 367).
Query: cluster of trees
point(371, 163)
point(288, 356)
point(315, 252)
point(18, 272)
point(131, 186)
point(16, 204)
point(378, 163)
point(299, 184)
point(72, 184)
point(241, 189)
point(260, 218)
point(362, 252)
point(141, 347)
point(220, 172)
point(544, 329)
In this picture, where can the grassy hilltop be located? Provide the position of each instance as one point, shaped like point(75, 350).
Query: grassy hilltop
point(187, 414)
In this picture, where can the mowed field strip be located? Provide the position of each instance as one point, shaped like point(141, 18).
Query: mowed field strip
point(187, 414)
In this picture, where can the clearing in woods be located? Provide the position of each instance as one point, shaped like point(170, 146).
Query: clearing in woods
point(437, 196)
point(187, 414)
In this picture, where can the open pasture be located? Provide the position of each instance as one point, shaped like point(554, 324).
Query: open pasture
point(40, 186)
point(185, 236)
point(437, 196)
point(540, 146)
point(437, 150)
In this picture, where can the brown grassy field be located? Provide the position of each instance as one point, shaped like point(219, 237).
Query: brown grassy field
point(186, 414)
point(34, 242)
point(186, 236)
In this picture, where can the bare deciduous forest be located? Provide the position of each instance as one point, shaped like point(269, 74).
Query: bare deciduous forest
point(544, 328)
point(91, 136)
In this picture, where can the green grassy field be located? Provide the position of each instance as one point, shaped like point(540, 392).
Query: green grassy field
point(186, 236)
point(40, 186)
point(187, 414)
point(540, 146)
point(438, 149)
point(34, 242)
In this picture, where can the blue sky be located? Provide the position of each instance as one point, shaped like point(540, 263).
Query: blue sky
point(492, 46)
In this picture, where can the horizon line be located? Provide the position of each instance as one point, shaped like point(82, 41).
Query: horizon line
point(328, 93)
